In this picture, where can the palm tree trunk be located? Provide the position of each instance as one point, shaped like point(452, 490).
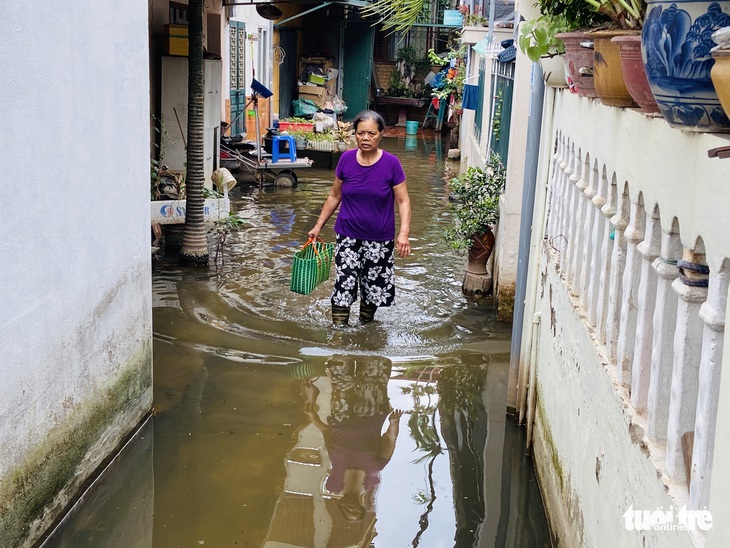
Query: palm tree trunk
point(194, 250)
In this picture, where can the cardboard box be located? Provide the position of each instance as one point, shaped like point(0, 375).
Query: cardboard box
point(312, 90)
point(318, 100)
point(176, 40)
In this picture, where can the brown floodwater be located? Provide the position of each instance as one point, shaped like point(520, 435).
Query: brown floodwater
point(272, 429)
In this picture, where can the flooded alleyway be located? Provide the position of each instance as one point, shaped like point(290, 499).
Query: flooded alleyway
point(272, 429)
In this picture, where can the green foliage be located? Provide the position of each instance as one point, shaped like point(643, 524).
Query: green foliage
point(435, 59)
point(398, 15)
point(476, 208)
point(474, 20)
point(454, 81)
point(537, 37)
point(223, 228)
point(410, 69)
point(579, 14)
point(301, 134)
point(625, 14)
point(297, 120)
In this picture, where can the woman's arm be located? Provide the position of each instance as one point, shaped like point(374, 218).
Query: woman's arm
point(330, 206)
point(387, 440)
point(402, 243)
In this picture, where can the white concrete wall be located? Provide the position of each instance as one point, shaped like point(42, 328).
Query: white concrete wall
point(507, 245)
point(593, 454)
point(75, 294)
point(589, 452)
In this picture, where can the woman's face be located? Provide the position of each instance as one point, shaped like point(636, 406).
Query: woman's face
point(368, 135)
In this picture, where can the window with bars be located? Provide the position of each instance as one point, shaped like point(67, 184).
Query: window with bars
point(503, 79)
point(479, 112)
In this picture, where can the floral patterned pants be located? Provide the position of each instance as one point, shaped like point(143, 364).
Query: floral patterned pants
point(367, 265)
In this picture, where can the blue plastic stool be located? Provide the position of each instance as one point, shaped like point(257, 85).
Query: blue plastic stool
point(275, 144)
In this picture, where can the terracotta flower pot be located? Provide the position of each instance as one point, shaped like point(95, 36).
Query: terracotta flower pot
point(634, 73)
point(608, 75)
point(580, 61)
point(479, 252)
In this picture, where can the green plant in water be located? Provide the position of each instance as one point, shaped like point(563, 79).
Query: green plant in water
point(222, 229)
point(476, 207)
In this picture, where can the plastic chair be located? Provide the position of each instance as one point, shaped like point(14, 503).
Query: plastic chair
point(275, 146)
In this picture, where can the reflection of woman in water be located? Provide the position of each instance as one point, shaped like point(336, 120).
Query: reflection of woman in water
point(357, 449)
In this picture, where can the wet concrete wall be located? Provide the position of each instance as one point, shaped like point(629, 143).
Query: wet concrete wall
point(75, 304)
point(590, 455)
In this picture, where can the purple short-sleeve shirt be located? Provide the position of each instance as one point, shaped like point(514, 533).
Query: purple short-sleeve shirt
point(367, 208)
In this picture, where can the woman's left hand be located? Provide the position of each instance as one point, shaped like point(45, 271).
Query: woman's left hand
point(403, 246)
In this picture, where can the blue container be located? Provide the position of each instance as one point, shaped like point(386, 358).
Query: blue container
point(411, 128)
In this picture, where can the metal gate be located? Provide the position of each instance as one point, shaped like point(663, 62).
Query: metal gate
point(238, 76)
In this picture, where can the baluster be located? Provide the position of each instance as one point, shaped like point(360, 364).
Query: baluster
point(572, 213)
point(608, 211)
point(664, 323)
point(618, 261)
point(633, 234)
point(567, 217)
point(641, 367)
point(556, 195)
point(599, 234)
point(576, 225)
point(589, 238)
point(691, 287)
point(712, 313)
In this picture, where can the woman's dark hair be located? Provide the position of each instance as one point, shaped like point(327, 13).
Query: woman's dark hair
point(369, 115)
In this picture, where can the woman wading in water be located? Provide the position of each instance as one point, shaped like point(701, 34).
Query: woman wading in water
point(369, 182)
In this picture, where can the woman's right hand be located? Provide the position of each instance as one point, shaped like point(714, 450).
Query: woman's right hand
point(314, 233)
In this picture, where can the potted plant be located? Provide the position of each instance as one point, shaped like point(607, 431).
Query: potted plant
point(676, 43)
point(295, 123)
point(579, 16)
point(538, 41)
point(343, 135)
point(475, 207)
point(301, 138)
point(624, 19)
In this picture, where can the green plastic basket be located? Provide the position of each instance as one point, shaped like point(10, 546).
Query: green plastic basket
point(311, 266)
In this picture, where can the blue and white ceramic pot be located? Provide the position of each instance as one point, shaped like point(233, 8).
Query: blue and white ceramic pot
point(675, 47)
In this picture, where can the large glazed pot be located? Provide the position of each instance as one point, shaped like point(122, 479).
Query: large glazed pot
point(720, 75)
point(608, 76)
point(675, 47)
point(634, 73)
point(579, 60)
